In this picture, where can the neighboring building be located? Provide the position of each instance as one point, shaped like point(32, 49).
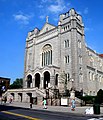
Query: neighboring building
point(57, 58)
point(4, 84)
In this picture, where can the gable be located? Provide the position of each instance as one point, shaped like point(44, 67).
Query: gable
point(46, 28)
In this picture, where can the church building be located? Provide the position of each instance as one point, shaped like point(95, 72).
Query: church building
point(57, 59)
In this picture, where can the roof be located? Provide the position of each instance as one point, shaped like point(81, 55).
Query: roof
point(4, 78)
point(101, 55)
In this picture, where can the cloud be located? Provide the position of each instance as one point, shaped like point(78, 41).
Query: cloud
point(79, 12)
point(55, 7)
point(40, 6)
point(86, 11)
point(88, 29)
point(21, 18)
point(59, 6)
point(42, 16)
point(44, 1)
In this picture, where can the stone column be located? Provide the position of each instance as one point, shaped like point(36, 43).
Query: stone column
point(33, 81)
point(42, 82)
point(24, 97)
point(24, 83)
point(16, 97)
point(52, 81)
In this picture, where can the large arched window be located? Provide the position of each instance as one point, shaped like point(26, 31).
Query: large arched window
point(46, 55)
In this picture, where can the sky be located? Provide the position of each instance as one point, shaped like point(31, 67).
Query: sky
point(18, 17)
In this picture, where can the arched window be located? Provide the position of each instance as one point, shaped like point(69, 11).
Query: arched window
point(66, 43)
point(46, 55)
point(67, 59)
point(79, 44)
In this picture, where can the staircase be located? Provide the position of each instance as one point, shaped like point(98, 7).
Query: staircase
point(41, 92)
point(5, 94)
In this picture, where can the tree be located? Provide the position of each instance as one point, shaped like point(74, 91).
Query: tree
point(18, 83)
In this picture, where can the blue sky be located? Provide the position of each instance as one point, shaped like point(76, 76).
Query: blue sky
point(18, 17)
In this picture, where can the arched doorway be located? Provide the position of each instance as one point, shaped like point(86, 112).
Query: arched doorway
point(46, 79)
point(29, 81)
point(20, 97)
point(12, 96)
point(29, 97)
point(37, 80)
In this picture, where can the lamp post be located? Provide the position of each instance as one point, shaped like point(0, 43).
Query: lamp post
point(72, 93)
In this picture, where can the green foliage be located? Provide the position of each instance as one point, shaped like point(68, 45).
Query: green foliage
point(93, 99)
point(18, 83)
point(88, 99)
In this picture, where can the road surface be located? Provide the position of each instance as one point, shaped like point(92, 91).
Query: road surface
point(17, 113)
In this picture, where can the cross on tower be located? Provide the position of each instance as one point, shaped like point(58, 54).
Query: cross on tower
point(47, 19)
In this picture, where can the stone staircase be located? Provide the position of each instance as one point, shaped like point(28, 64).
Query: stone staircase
point(5, 94)
point(41, 92)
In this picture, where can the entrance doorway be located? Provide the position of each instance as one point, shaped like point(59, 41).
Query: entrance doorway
point(29, 97)
point(29, 81)
point(20, 97)
point(46, 79)
point(37, 80)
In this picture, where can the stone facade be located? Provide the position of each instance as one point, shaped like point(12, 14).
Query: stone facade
point(56, 57)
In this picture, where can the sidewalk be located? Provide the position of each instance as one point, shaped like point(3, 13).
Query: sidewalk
point(78, 110)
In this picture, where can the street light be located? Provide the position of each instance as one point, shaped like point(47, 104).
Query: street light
point(72, 80)
point(72, 93)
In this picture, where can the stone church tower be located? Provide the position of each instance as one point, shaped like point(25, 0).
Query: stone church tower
point(55, 55)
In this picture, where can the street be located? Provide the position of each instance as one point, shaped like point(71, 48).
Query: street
point(15, 113)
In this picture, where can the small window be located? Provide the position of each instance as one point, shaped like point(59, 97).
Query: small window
point(66, 43)
point(67, 59)
point(46, 29)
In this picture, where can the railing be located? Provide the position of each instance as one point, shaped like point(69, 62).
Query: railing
point(4, 94)
point(41, 92)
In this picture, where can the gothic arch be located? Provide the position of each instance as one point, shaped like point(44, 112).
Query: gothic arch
point(46, 55)
point(46, 79)
point(29, 81)
point(37, 80)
